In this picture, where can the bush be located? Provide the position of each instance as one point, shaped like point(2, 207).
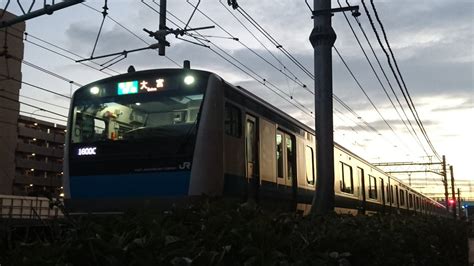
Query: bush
point(226, 233)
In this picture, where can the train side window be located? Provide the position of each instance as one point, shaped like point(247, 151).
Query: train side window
point(279, 154)
point(372, 187)
point(402, 197)
point(309, 158)
point(397, 195)
point(360, 175)
point(410, 200)
point(233, 121)
point(389, 195)
point(290, 157)
point(347, 184)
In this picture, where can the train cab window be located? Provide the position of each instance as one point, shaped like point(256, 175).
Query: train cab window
point(232, 121)
point(279, 154)
point(309, 159)
point(402, 197)
point(347, 182)
point(372, 187)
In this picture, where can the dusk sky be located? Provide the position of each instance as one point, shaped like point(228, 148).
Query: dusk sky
point(432, 40)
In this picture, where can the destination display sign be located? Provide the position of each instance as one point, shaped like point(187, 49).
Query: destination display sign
point(142, 86)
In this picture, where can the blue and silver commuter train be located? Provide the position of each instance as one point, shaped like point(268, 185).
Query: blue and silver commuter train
point(170, 134)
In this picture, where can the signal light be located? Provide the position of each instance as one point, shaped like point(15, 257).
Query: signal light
point(451, 202)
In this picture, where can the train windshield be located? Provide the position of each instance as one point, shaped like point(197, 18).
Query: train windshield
point(136, 118)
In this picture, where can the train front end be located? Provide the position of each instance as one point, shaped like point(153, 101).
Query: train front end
point(131, 139)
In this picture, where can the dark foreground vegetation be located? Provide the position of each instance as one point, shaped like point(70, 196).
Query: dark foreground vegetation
point(227, 233)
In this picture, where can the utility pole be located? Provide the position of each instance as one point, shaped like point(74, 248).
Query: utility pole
point(322, 39)
point(445, 182)
point(453, 191)
point(459, 202)
point(162, 27)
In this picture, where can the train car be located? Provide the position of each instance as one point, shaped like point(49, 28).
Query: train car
point(168, 135)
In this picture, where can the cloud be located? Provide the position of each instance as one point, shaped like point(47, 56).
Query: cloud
point(466, 105)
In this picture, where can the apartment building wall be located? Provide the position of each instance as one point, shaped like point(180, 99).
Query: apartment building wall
point(9, 105)
point(38, 157)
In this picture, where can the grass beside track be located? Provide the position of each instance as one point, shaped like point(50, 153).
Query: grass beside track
point(218, 232)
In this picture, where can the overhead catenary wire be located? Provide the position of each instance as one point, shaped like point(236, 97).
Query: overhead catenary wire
point(129, 31)
point(34, 99)
point(412, 131)
point(336, 98)
point(242, 67)
point(31, 114)
point(35, 86)
point(28, 35)
point(297, 63)
point(366, 95)
point(39, 68)
point(409, 101)
point(294, 78)
point(34, 106)
point(398, 80)
point(273, 41)
point(378, 79)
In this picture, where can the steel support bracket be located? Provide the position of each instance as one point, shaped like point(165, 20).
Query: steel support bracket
point(321, 12)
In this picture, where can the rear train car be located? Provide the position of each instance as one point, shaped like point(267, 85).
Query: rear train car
point(168, 135)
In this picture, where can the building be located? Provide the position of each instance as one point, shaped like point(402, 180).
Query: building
point(31, 150)
point(38, 157)
point(10, 70)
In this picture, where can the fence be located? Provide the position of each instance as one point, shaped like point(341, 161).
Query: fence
point(20, 207)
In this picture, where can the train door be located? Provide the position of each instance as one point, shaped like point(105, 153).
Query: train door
point(286, 165)
point(251, 155)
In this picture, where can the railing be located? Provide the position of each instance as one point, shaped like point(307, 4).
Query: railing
point(33, 208)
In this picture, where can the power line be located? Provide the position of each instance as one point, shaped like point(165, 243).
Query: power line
point(33, 99)
point(35, 86)
point(409, 100)
point(34, 106)
point(296, 62)
point(294, 78)
point(248, 71)
point(377, 76)
point(58, 53)
point(30, 113)
point(397, 79)
point(366, 95)
point(44, 70)
point(272, 40)
point(412, 131)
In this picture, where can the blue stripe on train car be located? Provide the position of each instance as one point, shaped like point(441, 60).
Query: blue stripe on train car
point(173, 183)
